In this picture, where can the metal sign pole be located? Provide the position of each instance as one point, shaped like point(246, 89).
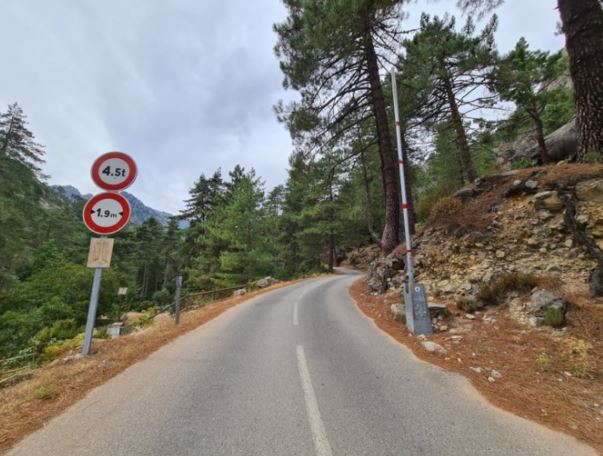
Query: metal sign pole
point(98, 272)
point(177, 298)
point(414, 294)
point(409, 260)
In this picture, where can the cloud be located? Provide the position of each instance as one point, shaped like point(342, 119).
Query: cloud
point(185, 86)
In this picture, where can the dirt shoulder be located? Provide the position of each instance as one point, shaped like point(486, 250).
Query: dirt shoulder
point(546, 377)
point(29, 405)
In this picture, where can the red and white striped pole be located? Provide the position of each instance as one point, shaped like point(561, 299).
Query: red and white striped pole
point(409, 260)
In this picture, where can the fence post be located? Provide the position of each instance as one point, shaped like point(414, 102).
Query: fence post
point(177, 298)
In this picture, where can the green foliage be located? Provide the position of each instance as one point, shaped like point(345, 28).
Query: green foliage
point(544, 361)
point(60, 330)
point(553, 317)
point(146, 318)
point(524, 77)
point(162, 297)
point(523, 163)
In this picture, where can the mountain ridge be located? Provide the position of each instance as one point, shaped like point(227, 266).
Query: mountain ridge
point(140, 211)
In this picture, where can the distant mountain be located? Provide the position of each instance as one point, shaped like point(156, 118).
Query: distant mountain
point(140, 211)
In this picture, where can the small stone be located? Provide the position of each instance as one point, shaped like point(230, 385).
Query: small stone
point(500, 254)
point(470, 317)
point(432, 347)
point(569, 243)
point(491, 380)
point(477, 370)
point(531, 184)
point(495, 374)
point(397, 311)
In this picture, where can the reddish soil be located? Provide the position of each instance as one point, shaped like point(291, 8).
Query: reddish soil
point(548, 376)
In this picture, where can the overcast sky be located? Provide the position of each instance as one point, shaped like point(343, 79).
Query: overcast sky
point(184, 86)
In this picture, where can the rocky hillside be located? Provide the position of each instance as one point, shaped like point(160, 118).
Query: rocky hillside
point(545, 223)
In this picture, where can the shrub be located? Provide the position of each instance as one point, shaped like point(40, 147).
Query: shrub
point(444, 209)
point(60, 330)
point(554, 317)
point(544, 360)
point(510, 281)
point(592, 157)
point(578, 353)
point(162, 297)
point(523, 163)
point(469, 305)
point(45, 392)
point(146, 318)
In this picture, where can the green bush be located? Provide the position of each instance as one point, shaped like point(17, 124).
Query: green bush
point(162, 297)
point(553, 317)
point(60, 330)
point(146, 318)
point(523, 163)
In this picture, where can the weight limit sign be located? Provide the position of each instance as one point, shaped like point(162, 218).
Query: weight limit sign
point(114, 171)
point(106, 213)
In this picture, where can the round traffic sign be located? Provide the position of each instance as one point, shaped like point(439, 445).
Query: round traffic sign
point(106, 213)
point(114, 171)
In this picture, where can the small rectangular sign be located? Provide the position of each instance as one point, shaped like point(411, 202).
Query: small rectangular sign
point(122, 291)
point(100, 253)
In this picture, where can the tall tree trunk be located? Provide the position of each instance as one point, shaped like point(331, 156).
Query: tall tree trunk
point(461, 136)
point(583, 27)
point(544, 153)
point(370, 219)
point(390, 238)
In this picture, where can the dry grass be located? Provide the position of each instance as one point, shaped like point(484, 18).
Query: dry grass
point(493, 292)
point(27, 406)
point(551, 379)
point(570, 174)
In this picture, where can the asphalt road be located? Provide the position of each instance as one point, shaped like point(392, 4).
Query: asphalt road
point(297, 371)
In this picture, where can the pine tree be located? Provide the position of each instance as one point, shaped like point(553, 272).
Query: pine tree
point(449, 69)
point(332, 52)
point(17, 141)
point(524, 77)
point(582, 24)
point(204, 197)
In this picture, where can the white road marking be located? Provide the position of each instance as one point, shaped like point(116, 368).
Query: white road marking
point(295, 313)
point(321, 443)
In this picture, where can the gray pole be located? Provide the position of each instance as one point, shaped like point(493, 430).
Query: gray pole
point(98, 272)
point(177, 298)
point(417, 310)
point(410, 285)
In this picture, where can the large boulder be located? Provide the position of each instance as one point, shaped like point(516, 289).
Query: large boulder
point(239, 292)
point(540, 303)
point(560, 144)
point(377, 276)
point(384, 273)
point(266, 282)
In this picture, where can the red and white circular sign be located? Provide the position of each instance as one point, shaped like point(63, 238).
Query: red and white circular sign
point(106, 213)
point(114, 171)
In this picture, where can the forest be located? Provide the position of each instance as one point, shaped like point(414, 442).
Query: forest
point(461, 101)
